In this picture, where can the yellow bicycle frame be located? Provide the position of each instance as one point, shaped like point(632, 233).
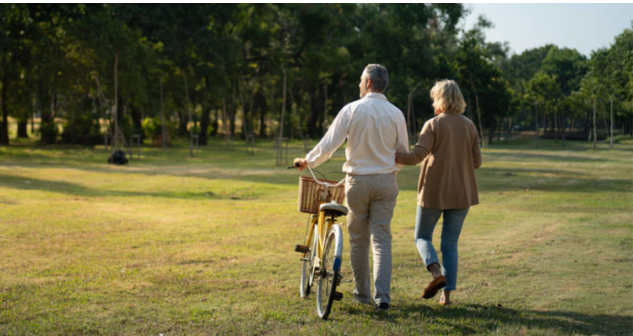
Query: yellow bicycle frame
point(323, 228)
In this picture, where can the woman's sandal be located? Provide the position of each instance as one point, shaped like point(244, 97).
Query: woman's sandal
point(433, 287)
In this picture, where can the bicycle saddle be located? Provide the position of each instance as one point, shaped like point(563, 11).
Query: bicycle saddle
point(333, 207)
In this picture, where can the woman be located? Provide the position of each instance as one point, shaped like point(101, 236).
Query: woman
point(448, 146)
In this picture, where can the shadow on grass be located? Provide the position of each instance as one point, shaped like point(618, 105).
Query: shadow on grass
point(471, 319)
point(527, 156)
point(552, 180)
point(213, 163)
point(68, 188)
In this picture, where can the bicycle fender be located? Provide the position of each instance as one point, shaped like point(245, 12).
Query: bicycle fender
point(338, 250)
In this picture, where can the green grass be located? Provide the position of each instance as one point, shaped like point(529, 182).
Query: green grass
point(177, 245)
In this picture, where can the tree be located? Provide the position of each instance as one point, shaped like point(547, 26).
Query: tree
point(567, 67)
point(543, 91)
point(482, 80)
point(621, 65)
point(13, 25)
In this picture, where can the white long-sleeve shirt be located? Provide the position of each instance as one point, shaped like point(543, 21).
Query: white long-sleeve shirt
point(375, 130)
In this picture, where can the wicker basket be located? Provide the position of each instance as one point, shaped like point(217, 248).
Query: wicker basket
point(311, 193)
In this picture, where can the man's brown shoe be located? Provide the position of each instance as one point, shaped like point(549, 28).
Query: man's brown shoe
point(433, 287)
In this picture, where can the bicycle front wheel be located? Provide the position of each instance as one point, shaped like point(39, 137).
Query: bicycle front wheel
point(330, 272)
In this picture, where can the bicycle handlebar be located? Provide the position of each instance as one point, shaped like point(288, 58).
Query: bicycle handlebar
point(327, 184)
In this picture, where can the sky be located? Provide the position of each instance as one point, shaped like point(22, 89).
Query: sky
point(584, 27)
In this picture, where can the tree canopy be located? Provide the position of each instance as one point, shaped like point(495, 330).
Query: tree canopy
point(238, 69)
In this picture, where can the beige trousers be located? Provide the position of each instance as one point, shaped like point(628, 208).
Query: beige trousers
point(371, 200)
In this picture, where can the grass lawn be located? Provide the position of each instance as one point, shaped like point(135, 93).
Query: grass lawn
point(176, 245)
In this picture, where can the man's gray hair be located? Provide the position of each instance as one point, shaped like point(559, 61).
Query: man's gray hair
point(378, 75)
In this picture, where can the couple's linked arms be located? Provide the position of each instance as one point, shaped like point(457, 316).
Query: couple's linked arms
point(425, 144)
point(421, 149)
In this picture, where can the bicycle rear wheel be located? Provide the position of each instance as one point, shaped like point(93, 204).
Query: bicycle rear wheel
point(307, 267)
point(330, 272)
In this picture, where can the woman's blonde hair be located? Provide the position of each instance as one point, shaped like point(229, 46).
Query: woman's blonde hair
point(447, 97)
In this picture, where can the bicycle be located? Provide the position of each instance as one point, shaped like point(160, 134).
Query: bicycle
point(323, 248)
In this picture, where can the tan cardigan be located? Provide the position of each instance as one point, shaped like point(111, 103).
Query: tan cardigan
point(449, 146)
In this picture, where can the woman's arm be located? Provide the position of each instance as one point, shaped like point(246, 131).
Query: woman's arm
point(422, 148)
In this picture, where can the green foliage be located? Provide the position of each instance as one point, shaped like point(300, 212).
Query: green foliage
point(567, 66)
point(152, 127)
point(48, 133)
point(56, 56)
point(82, 129)
point(487, 92)
point(126, 127)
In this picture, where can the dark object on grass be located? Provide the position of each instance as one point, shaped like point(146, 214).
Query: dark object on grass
point(118, 157)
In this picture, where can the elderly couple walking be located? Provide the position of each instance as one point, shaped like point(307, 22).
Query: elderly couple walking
point(377, 147)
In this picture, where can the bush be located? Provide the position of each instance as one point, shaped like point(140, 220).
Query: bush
point(152, 127)
point(48, 133)
point(82, 130)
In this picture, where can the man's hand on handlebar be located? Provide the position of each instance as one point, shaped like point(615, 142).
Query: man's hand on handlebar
point(300, 163)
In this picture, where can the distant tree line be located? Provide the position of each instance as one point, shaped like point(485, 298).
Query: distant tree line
point(285, 70)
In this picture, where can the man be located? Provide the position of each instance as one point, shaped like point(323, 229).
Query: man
point(375, 130)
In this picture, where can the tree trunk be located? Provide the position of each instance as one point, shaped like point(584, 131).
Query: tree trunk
point(4, 127)
point(536, 125)
point(116, 102)
point(233, 110)
point(482, 135)
point(324, 111)
point(258, 110)
point(611, 138)
point(271, 130)
point(595, 136)
point(481, 127)
point(283, 107)
point(23, 126)
point(215, 123)
point(410, 115)
point(315, 114)
point(184, 75)
point(205, 119)
point(544, 124)
point(225, 120)
point(136, 121)
point(295, 105)
point(509, 130)
point(246, 128)
point(555, 125)
point(563, 125)
point(182, 122)
point(162, 118)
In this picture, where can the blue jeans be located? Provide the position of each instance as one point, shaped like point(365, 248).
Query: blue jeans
point(426, 220)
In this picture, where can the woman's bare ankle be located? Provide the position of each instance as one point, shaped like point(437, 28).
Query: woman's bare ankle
point(445, 299)
point(435, 270)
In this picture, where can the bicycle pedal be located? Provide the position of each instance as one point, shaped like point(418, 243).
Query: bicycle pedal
point(301, 249)
point(338, 296)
